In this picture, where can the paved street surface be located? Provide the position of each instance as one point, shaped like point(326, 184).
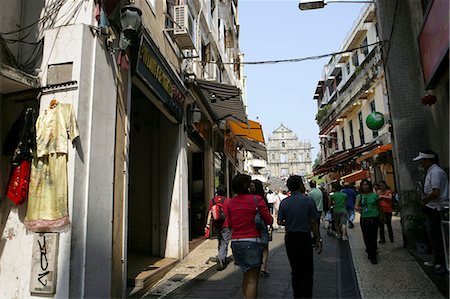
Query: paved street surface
point(334, 277)
point(341, 271)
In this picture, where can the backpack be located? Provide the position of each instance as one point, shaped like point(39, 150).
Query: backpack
point(217, 209)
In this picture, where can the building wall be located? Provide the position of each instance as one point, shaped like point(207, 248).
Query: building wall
point(414, 125)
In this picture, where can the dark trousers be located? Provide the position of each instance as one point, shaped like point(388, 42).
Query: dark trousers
point(369, 227)
point(300, 253)
point(388, 222)
point(435, 234)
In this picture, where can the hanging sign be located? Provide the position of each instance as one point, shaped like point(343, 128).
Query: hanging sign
point(158, 76)
point(375, 121)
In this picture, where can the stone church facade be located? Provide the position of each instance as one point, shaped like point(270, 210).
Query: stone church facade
point(287, 155)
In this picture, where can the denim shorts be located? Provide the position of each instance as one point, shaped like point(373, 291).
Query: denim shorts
point(247, 254)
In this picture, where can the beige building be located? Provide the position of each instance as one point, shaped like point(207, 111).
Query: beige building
point(287, 155)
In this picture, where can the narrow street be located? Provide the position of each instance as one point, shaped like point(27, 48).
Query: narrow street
point(342, 270)
point(334, 276)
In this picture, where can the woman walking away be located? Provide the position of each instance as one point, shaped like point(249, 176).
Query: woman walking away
point(385, 196)
point(367, 203)
point(245, 237)
point(258, 189)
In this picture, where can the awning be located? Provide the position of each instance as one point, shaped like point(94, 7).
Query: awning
point(342, 157)
point(250, 136)
point(224, 101)
point(380, 149)
point(356, 176)
point(252, 130)
point(257, 148)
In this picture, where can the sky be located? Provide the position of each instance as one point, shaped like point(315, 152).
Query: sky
point(283, 93)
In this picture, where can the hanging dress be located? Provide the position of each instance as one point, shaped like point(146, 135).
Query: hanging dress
point(48, 196)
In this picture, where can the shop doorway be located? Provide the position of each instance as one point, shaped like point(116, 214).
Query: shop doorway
point(151, 177)
point(197, 203)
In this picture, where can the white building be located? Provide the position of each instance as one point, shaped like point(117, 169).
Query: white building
point(287, 155)
point(352, 87)
point(144, 168)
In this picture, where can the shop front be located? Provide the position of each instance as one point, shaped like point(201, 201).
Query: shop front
point(157, 205)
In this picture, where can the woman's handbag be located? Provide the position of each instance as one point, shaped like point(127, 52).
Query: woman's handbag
point(260, 224)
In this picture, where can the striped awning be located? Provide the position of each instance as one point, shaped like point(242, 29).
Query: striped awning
point(356, 176)
point(223, 100)
point(379, 149)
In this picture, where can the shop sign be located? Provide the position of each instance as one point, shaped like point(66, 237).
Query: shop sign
point(434, 40)
point(44, 263)
point(152, 69)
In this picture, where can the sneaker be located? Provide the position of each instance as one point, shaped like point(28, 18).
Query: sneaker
point(344, 239)
point(429, 264)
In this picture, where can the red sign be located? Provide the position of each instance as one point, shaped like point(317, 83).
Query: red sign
point(434, 39)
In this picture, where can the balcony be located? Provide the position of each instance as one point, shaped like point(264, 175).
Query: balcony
point(354, 88)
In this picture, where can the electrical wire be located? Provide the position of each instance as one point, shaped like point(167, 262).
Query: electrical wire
point(292, 60)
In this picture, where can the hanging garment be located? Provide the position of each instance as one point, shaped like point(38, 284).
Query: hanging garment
point(21, 144)
point(17, 189)
point(48, 195)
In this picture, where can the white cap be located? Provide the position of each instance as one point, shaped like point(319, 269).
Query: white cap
point(424, 156)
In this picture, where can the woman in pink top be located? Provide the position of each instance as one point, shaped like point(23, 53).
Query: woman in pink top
point(385, 195)
point(245, 237)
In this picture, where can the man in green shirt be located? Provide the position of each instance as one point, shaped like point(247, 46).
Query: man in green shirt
point(339, 201)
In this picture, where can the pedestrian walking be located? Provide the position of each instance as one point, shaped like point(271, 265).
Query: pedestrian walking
point(257, 188)
point(436, 202)
point(218, 216)
point(367, 203)
point(339, 201)
point(317, 196)
point(385, 196)
point(245, 236)
point(351, 199)
point(298, 214)
point(276, 207)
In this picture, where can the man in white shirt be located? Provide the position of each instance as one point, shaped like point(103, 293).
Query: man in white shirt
point(436, 202)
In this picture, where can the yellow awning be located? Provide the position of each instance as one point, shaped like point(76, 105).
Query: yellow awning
point(252, 130)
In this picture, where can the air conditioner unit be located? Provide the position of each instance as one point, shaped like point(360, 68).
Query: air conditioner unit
point(184, 29)
point(210, 71)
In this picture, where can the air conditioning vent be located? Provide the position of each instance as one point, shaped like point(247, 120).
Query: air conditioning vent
point(184, 29)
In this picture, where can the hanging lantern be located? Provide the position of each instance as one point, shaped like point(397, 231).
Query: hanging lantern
point(375, 121)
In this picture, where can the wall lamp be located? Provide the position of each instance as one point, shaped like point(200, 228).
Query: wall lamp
point(131, 21)
point(314, 4)
point(196, 115)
